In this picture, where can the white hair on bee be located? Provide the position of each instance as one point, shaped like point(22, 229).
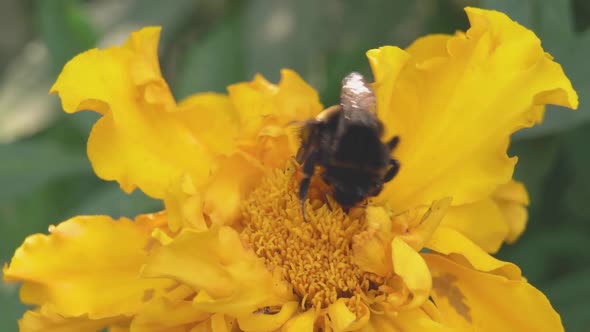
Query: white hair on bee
point(357, 94)
point(355, 83)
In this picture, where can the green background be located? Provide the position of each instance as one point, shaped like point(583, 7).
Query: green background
point(45, 176)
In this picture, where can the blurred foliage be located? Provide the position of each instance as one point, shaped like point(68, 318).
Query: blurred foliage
point(46, 178)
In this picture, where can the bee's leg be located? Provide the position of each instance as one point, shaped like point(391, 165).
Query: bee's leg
point(308, 169)
point(391, 172)
point(327, 200)
point(393, 143)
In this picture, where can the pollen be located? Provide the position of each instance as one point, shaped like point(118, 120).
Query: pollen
point(314, 256)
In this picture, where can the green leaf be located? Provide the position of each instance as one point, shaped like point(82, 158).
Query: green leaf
point(340, 65)
point(172, 17)
point(214, 61)
point(65, 30)
point(569, 296)
point(10, 307)
point(578, 191)
point(536, 158)
point(552, 22)
point(25, 106)
point(110, 200)
point(325, 42)
point(283, 34)
point(576, 199)
point(28, 165)
point(548, 253)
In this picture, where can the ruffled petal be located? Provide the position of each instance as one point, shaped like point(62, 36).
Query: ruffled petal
point(418, 320)
point(512, 200)
point(260, 321)
point(142, 140)
point(429, 47)
point(372, 248)
point(456, 109)
point(450, 242)
point(343, 319)
point(303, 322)
point(87, 265)
point(411, 268)
point(474, 300)
point(259, 101)
point(165, 314)
point(46, 321)
point(212, 119)
point(266, 111)
point(415, 320)
point(217, 323)
point(220, 201)
point(491, 221)
point(184, 206)
point(235, 179)
point(415, 228)
point(228, 278)
point(482, 222)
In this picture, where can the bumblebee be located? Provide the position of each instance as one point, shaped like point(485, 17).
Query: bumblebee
point(345, 141)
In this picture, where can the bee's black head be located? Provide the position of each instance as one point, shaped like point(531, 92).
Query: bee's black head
point(349, 194)
point(348, 198)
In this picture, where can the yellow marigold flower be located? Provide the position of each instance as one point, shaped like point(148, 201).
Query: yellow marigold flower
point(231, 251)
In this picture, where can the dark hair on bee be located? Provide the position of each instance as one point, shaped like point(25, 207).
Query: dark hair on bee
point(345, 140)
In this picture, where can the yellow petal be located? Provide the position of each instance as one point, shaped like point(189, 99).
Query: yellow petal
point(409, 265)
point(235, 178)
point(418, 320)
point(450, 242)
point(162, 314)
point(303, 322)
point(261, 321)
point(343, 319)
point(482, 222)
point(266, 110)
point(222, 323)
point(213, 120)
point(141, 140)
point(387, 64)
point(414, 320)
point(87, 265)
point(512, 200)
point(456, 109)
point(418, 230)
point(429, 47)
point(257, 101)
point(487, 302)
point(184, 206)
point(229, 279)
point(371, 249)
point(46, 321)
point(217, 323)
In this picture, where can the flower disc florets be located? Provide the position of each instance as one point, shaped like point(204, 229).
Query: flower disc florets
point(314, 256)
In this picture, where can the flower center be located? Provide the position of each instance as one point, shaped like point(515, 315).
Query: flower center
point(314, 256)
